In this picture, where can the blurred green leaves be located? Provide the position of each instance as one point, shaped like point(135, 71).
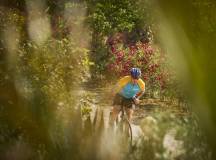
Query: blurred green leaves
point(107, 17)
point(192, 24)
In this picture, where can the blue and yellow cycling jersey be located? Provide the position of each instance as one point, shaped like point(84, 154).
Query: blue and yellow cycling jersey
point(127, 89)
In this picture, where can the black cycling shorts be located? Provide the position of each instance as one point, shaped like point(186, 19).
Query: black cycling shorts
point(120, 100)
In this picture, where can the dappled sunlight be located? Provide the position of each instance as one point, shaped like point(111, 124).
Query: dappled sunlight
point(11, 39)
point(188, 59)
point(175, 51)
point(59, 61)
point(38, 22)
point(74, 15)
point(39, 29)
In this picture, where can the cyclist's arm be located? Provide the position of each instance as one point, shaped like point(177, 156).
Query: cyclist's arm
point(140, 94)
point(142, 88)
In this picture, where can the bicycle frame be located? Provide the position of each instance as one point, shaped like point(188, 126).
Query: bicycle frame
point(125, 118)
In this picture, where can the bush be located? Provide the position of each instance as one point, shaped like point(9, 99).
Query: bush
point(55, 67)
point(146, 56)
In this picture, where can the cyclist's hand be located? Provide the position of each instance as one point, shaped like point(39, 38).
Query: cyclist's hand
point(136, 101)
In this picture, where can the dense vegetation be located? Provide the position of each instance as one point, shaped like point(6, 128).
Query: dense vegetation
point(51, 50)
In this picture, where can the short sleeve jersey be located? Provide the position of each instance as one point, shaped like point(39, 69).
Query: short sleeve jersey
point(127, 89)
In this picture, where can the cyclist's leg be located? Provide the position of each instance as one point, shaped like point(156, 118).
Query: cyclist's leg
point(114, 113)
point(116, 109)
point(130, 110)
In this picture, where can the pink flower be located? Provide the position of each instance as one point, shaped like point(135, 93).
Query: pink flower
point(120, 54)
point(145, 77)
point(113, 49)
point(132, 50)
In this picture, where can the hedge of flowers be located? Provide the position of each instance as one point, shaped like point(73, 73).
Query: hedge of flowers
point(148, 57)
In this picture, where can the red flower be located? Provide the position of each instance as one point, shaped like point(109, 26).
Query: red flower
point(120, 54)
point(113, 49)
point(132, 50)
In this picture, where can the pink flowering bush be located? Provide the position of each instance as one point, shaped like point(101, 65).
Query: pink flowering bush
point(149, 58)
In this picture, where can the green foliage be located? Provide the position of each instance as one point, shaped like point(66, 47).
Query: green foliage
point(40, 112)
point(39, 102)
point(172, 137)
point(108, 17)
point(86, 104)
point(194, 31)
point(55, 67)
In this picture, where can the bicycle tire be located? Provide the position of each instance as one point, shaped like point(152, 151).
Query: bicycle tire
point(130, 130)
point(124, 126)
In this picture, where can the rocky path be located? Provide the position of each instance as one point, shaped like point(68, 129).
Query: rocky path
point(161, 126)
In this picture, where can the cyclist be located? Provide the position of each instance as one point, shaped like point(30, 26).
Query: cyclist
point(127, 92)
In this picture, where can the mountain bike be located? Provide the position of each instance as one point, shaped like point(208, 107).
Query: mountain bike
point(124, 126)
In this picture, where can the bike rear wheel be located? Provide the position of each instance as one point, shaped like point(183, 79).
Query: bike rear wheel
point(125, 130)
